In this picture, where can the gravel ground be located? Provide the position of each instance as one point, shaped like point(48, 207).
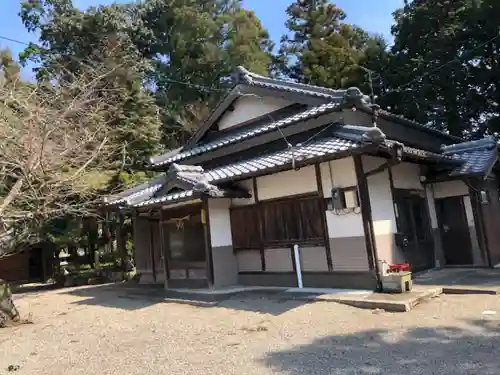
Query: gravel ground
point(90, 330)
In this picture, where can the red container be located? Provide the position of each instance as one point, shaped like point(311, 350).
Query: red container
point(405, 267)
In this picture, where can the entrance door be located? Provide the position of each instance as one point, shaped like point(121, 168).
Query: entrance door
point(413, 225)
point(185, 248)
point(454, 231)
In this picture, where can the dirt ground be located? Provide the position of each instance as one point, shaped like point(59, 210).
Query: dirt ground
point(92, 330)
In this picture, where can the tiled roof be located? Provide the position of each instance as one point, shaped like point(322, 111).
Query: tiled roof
point(342, 139)
point(246, 133)
point(478, 156)
point(169, 198)
point(252, 79)
point(323, 147)
point(318, 148)
point(143, 191)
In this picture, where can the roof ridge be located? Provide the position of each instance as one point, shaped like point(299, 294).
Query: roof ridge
point(247, 133)
point(246, 76)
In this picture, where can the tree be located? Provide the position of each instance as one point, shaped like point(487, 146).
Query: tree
point(58, 148)
point(445, 63)
point(9, 68)
point(322, 49)
point(186, 46)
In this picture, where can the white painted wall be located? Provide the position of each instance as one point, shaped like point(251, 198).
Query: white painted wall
point(382, 204)
point(406, 176)
point(450, 189)
point(340, 173)
point(220, 224)
point(249, 107)
point(287, 183)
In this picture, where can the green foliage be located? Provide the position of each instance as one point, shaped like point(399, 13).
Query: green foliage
point(322, 49)
point(445, 66)
point(175, 41)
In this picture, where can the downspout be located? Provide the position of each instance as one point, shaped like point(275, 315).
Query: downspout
point(298, 269)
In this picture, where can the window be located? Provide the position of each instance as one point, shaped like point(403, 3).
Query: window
point(281, 222)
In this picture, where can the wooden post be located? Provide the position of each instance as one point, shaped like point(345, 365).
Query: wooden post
point(91, 239)
point(120, 239)
point(208, 243)
point(163, 251)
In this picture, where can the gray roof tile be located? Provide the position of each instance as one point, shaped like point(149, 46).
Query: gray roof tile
point(252, 79)
point(169, 198)
point(248, 133)
point(142, 191)
point(320, 147)
point(478, 156)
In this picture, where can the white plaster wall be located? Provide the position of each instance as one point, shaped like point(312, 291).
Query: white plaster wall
point(382, 204)
point(220, 224)
point(247, 185)
point(249, 107)
point(343, 174)
point(344, 225)
point(406, 176)
point(450, 189)
point(287, 183)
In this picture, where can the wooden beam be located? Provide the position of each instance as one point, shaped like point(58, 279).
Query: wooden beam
point(319, 183)
point(205, 221)
point(120, 239)
point(256, 200)
point(366, 214)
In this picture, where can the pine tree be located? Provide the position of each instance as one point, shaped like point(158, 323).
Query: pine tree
point(322, 49)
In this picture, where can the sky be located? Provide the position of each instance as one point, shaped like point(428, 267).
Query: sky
point(373, 16)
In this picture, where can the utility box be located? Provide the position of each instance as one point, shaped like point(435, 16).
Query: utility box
point(396, 278)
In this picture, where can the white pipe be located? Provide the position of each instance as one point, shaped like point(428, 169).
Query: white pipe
point(297, 266)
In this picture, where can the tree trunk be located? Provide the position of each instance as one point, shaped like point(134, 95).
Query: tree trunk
point(8, 311)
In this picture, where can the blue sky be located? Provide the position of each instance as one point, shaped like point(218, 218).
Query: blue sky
point(373, 16)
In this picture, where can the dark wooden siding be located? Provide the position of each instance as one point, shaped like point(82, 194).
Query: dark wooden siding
point(280, 222)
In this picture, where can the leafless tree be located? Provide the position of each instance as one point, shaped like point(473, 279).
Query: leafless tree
point(56, 147)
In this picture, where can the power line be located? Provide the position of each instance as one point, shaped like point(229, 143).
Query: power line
point(169, 80)
point(13, 40)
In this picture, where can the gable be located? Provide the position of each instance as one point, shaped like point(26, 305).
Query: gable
point(413, 135)
point(247, 108)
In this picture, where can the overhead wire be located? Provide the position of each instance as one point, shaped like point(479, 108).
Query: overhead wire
point(371, 75)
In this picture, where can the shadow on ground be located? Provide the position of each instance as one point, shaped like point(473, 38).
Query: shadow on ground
point(444, 351)
point(130, 296)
